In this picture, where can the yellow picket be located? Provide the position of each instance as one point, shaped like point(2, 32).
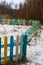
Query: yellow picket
point(5, 49)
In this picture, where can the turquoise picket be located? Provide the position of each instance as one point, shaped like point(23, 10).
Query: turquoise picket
point(0, 50)
point(15, 21)
point(24, 46)
point(30, 22)
point(0, 20)
point(21, 47)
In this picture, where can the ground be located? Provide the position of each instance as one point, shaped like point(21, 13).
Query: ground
point(35, 49)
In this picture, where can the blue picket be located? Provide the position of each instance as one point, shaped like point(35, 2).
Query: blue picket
point(11, 48)
point(21, 22)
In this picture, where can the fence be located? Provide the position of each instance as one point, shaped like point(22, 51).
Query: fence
point(18, 21)
point(23, 45)
point(22, 41)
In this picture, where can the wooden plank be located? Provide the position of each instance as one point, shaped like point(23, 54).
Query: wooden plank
point(21, 47)
point(5, 49)
point(11, 48)
point(17, 45)
point(24, 46)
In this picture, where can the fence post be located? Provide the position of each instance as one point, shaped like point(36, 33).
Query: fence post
point(0, 50)
point(5, 49)
point(11, 48)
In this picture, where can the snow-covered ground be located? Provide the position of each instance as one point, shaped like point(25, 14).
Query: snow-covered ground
point(11, 30)
point(35, 47)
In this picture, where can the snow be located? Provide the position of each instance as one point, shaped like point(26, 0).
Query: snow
point(35, 47)
point(8, 30)
point(11, 30)
point(35, 50)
